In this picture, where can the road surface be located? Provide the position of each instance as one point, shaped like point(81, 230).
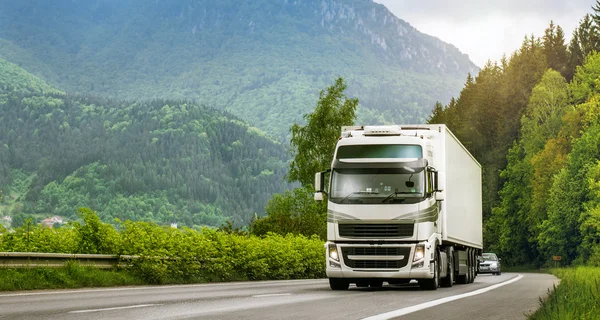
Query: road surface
point(509, 296)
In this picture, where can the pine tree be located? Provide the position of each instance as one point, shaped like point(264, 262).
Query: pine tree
point(555, 49)
point(585, 40)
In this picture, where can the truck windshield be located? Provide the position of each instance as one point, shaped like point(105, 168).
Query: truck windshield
point(374, 185)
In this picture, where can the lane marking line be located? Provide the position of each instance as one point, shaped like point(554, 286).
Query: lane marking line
point(418, 307)
point(271, 295)
point(182, 286)
point(114, 308)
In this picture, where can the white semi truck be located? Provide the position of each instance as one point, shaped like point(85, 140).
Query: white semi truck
point(403, 203)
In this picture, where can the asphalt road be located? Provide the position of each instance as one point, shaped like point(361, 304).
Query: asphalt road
point(509, 296)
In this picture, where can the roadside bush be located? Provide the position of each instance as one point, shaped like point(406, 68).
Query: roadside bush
point(168, 255)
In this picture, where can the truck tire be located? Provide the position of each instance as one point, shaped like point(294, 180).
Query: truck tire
point(432, 284)
point(448, 281)
point(338, 284)
point(471, 266)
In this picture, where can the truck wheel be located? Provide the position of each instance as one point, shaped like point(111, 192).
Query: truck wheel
point(432, 284)
point(464, 278)
point(471, 266)
point(448, 281)
point(338, 284)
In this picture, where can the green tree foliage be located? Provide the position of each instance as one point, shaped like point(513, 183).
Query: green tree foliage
point(294, 212)
point(517, 220)
point(163, 161)
point(542, 118)
point(584, 40)
point(94, 236)
point(569, 196)
point(555, 49)
point(313, 144)
point(585, 82)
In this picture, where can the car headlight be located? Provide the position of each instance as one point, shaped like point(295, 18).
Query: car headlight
point(333, 253)
point(419, 252)
point(494, 265)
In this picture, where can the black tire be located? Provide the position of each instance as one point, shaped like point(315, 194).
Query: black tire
point(434, 283)
point(448, 281)
point(471, 266)
point(499, 272)
point(338, 284)
point(468, 275)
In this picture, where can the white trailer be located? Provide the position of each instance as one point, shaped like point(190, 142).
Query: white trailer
point(403, 203)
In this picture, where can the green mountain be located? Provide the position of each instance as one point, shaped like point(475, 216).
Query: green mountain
point(161, 160)
point(263, 60)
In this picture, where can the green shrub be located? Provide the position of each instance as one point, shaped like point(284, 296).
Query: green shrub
point(168, 255)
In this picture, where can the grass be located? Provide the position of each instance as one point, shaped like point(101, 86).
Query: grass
point(576, 297)
point(71, 275)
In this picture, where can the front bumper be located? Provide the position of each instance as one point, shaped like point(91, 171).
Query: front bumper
point(346, 266)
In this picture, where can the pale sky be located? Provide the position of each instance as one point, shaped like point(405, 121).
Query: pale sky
point(486, 29)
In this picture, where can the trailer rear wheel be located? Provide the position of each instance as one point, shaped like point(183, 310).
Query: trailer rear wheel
point(462, 278)
point(338, 284)
point(471, 266)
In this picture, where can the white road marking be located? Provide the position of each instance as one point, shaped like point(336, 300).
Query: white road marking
point(115, 308)
point(271, 295)
point(222, 284)
point(415, 308)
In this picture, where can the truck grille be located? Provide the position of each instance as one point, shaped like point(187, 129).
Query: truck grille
point(375, 251)
point(376, 230)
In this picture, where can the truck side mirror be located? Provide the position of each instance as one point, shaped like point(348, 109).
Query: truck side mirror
point(319, 185)
point(319, 181)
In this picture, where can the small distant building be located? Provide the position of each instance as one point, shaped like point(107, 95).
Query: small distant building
point(7, 219)
point(48, 223)
point(58, 219)
point(174, 225)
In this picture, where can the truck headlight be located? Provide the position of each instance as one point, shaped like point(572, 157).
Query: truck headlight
point(333, 253)
point(419, 252)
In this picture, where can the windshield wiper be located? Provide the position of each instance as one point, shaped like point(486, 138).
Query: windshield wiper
point(393, 194)
point(357, 192)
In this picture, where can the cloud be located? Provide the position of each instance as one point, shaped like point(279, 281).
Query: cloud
point(486, 29)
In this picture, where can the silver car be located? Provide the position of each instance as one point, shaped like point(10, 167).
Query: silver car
point(489, 263)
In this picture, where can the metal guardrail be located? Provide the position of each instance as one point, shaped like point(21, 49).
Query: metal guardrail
point(55, 260)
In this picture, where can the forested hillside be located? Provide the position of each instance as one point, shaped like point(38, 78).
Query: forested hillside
point(160, 160)
point(265, 61)
point(533, 121)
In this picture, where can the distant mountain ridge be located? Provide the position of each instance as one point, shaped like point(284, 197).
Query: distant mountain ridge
point(264, 60)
